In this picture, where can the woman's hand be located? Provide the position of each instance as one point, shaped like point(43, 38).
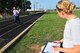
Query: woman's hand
point(56, 45)
point(58, 42)
point(56, 48)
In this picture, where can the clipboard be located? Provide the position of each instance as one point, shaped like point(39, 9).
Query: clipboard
point(48, 48)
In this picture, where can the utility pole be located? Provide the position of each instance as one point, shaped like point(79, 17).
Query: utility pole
point(34, 5)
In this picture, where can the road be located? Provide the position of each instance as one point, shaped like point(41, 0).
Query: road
point(9, 30)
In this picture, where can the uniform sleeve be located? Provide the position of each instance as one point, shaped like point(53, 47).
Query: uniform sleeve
point(75, 31)
point(17, 11)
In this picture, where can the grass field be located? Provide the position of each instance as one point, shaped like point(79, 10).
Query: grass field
point(50, 27)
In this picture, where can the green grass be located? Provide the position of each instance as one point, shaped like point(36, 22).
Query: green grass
point(50, 27)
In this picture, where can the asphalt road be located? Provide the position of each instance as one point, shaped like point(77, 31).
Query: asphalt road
point(9, 30)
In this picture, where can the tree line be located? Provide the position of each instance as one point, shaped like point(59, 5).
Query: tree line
point(7, 5)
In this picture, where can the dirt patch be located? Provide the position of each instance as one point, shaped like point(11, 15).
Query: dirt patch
point(35, 48)
point(60, 33)
point(47, 36)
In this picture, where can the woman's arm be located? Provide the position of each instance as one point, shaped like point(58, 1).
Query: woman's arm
point(61, 40)
point(76, 49)
point(58, 41)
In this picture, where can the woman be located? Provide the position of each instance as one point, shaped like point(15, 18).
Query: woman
point(71, 40)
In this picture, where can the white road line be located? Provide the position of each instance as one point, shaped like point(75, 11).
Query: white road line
point(11, 19)
point(14, 28)
point(12, 24)
point(7, 26)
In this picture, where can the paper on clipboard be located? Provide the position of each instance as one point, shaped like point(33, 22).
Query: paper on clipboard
point(49, 49)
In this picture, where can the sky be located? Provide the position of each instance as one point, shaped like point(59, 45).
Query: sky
point(49, 4)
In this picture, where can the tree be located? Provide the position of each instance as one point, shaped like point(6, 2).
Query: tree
point(26, 5)
point(9, 4)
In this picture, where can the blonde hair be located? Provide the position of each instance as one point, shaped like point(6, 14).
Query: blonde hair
point(66, 6)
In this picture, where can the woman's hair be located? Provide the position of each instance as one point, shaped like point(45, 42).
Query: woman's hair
point(66, 6)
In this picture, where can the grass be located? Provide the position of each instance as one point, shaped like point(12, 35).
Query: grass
point(50, 27)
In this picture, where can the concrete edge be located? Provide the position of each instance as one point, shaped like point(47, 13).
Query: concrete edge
point(13, 40)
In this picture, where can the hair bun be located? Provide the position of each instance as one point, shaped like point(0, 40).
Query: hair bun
point(66, 6)
point(72, 6)
point(64, 0)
